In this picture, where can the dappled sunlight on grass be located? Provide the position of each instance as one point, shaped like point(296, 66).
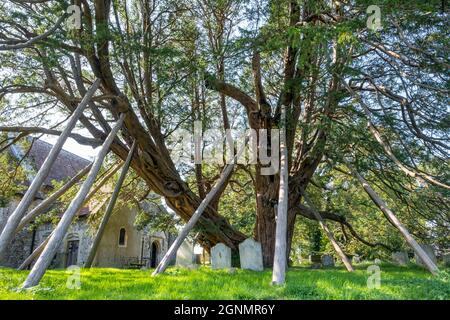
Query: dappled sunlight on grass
point(204, 283)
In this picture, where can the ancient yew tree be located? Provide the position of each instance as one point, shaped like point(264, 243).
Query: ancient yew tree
point(354, 91)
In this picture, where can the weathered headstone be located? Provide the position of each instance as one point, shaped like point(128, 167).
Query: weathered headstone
point(315, 258)
point(400, 257)
point(429, 251)
point(220, 257)
point(377, 261)
point(328, 260)
point(185, 255)
point(446, 259)
point(250, 254)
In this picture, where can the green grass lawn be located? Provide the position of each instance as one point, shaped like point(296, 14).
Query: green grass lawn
point(204, 283)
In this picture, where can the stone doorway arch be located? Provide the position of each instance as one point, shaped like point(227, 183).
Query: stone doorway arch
point(154, 253)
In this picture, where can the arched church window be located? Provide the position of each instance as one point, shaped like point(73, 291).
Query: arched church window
point(122, 237)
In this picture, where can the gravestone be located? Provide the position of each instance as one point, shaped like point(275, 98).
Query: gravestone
point(315, 258)
point(356, 259)
point(220, 257)
point(185, 255)
point(328, 260)
point(250, 254)
point(377, 261)
point(400, 257)
point(446, 259)
point(429, 251)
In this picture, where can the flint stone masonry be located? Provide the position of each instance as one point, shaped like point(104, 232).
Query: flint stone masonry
point(4, 213)
point(400, 257)
point(250, 253)
point(220, 257)
point(327, 260)
point(429, 251)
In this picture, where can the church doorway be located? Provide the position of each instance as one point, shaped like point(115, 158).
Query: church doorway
point(154, 254)
point(72, 252)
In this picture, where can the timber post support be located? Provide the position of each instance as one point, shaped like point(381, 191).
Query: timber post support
point(14, 219)
point(43, 262)
point(36, 252)
point(171, 253)
point(109, 209)
point(431, 266)
point(44, 205)
point(280, 255)
point(329, 234)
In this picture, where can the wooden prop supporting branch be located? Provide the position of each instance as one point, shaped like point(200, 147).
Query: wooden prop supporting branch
point(162, 266)
point(280, 256)
point(14, 219)
point(60, 231)
point(329, 234)
point(44, 205)
point(109, 209)
point(36, 252)
point(431, 266)
point(102, 181)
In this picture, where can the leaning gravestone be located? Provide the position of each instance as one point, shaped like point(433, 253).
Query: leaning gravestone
point(328, 260)
point(250, 254)
point(220, 257)
point(400, 257)
point(185, 255)
point(429, 251)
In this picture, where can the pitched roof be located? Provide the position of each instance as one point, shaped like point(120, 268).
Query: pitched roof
point(66, 165)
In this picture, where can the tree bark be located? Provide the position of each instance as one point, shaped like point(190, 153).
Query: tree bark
point(170, 255)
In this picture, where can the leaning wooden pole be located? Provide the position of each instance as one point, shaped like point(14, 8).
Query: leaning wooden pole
point(162, 266)
point(36, 252)
point(102, 181)
point(329, 234)
point(44, 205)
point(109, 209)
point(431, 266)
point(60, 231)
point(280, 256)
point(22, 207)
